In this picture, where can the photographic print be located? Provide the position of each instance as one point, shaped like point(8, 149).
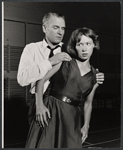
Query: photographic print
point(61, 74)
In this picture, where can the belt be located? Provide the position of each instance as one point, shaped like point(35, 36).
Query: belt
point(64, 98)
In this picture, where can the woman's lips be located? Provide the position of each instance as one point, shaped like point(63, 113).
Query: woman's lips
point(84, 54)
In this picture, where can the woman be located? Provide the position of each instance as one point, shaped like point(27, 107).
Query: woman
point(58, 120)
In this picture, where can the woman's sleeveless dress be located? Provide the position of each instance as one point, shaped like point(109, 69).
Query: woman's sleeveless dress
point(63, 130)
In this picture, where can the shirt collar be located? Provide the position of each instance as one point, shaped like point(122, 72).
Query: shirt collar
point(45, 44)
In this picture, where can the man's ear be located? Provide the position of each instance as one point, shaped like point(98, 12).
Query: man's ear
point(44, 28)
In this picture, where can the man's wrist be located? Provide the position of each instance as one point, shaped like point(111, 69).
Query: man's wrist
point(39, 105)
point(39, 102)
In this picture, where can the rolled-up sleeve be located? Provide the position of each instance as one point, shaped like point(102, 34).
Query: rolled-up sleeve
point(30, 70)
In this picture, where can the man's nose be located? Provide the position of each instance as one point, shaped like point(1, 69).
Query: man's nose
point(60, 31)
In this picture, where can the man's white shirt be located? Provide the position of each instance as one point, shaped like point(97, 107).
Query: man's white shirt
point(34, 64)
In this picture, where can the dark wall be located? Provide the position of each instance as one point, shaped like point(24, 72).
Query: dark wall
point(22, 25)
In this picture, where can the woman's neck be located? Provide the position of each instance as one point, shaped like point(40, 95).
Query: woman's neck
point(84, 67)
point(85, 63)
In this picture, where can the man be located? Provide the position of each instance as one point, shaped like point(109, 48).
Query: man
point(35, 61)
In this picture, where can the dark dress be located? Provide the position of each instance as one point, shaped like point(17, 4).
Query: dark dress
point(63, 130)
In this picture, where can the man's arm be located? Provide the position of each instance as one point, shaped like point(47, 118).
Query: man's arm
point(29, 71)
point(41, 110)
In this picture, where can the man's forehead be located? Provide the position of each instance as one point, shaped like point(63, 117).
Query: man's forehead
point(55, 17)
point(55, 20)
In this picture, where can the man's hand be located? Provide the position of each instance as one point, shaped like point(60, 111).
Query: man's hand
point(59, 57)
point(42, 114)
point(99, 77)
point(84, 132)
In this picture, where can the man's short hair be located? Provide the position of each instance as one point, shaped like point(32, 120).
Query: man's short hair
point(49, 14)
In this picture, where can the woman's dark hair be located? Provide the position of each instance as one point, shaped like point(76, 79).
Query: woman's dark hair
point(76, 37)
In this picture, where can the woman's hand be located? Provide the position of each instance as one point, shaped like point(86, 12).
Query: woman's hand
point(42, 115)
point(84, 132)
point(100, 77)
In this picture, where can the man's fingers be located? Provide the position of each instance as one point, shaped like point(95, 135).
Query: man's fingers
point(38, 120)
point(42, 120)
point(66, 57)
point(45, 119)
point(59, 57)
point(48, 113)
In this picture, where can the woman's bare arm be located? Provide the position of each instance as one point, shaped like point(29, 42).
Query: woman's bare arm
point(87, 113)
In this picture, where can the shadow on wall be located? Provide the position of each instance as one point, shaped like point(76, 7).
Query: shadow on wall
point(15, 120)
